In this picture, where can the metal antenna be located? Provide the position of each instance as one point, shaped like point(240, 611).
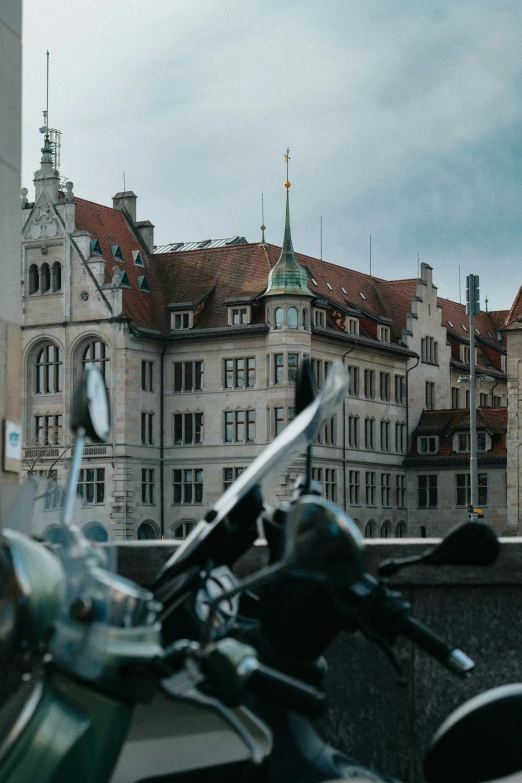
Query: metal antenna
point(262, 219)
point(370, 255)
point(418, 264)
point(321, 237)
point(47, 101)
point(460, 294)
point(124, 190)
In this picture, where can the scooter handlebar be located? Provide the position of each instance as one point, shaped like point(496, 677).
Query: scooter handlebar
point(278, 687)
point(454, 659)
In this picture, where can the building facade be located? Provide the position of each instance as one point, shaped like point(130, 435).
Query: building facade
point(199, 345)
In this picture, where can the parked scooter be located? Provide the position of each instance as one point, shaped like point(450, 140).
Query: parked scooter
point(122, 658)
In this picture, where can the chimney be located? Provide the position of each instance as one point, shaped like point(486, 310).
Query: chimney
point(146, 232)
point(126, 200)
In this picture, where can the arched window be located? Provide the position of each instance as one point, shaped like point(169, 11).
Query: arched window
point(45, 277)
point(402, 530)
point(95, 532)
point(57, 276)
point(182, 529)
point(423, 531)
point(370, 529)
point(48, 370)
point(357, 523)
point(292, 318)
point(305, 318)
point(147, 531)
point(98, 353)
point(279, 317)
point(386, 529)
point(34, 279)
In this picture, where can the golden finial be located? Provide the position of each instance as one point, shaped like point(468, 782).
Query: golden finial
point(287, 158)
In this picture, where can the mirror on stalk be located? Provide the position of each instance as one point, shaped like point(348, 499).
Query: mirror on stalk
point(324, 542)
point(480, 741)
point(471, 543)
point(91, 406)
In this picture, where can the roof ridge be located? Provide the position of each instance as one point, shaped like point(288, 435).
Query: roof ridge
point(204, 249)
point(97, 204)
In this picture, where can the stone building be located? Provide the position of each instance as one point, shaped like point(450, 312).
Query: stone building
point(199, 345)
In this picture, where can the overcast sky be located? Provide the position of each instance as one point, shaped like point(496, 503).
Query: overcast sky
point(403, 120)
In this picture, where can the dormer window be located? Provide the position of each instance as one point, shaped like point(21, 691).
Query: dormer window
point(362, 295)
point(352, 325)
point(329, 286)
point(95, 248)
point(464, 327)
point(344, 291)
point(116, 253)
point(124, 280)
point(320, 318)
point(462, 441)
point(428, 444)
point(138, 260)
point(142, 282)
point(239, 316)
point(383, 334)
point(182, 320)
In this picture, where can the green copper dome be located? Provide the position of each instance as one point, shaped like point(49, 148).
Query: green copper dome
point(287, 276)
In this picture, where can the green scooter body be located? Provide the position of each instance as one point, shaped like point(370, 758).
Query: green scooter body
point(56, 729)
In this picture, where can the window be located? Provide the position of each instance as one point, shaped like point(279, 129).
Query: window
point(239, 316)
point(385, 489)
point(188, 428)
point(383, 334)
point(34, 279)
point(354, 381)
point(292, 318)
point(95, 248)
point(229, 476)
point(182, 320)
point(240, 426)
point(182, 529)
point(429, 350)
point(279, 420)
point(463, 483)
point(370, 488)
point(465, 353)
point(467, 397)
point(483, 400)
point(455, 398)
point(279, 368)
point(147, 376)
point(147, 486)
point(48, 370)
point(188, 486)
point(497, 401)
point(98, 353)
point(326, 435)
point(481, 441)
point(57, 276)
point(317, 371)
point(352, 325)
point(188, 376)
point(422, 531)
point(142, 283)
point(427, 491)
point(503, 363)
point(354, 487)
point(369, 433)
point(116, 252)
point(386, 529)
point(328, 478)
point(320, 318)
point(400, 484)
point(305, 318)
point(369, 384)
point(370, 530)
point(399, 389)
point(400, 437)
point(147, 531)
point(427, 445)
point(402, 530)
point(385, 436)
point(279, 318)
point(353, 432)
point(292, 359)
point(430, 395)
point(91, 485)
point(45, 278)
point(385, 384)
point(147, 436)
point(239, 373)
point(138, 260)
point(48, 430)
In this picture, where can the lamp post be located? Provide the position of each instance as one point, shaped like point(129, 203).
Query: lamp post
point(472, 308)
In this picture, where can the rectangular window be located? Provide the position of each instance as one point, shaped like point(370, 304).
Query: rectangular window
point(229, 476)
point(401, 491)
point(239, 373)
point(327, 477)
point(48, 430)
point(467, 397)
point(369, 433)
point(354, 381)
point(240, 426)
point(385, 384)
point(319, 318)
point(383, 334)
point(503, 363)
point(455, 398)
point(483, 401)
point(385, 435)
point(497, 401)
point(463, 483)
point(187, 486)
point(181, 321)
point(370, 488)
point(428, 445)
point(427, 491)
point(147, 376)
point(317, 371)
point(465, 353)
point(147, 428)
point(147, 486)
point(429, 350)
point(326, 435)
point(279, 368)
point(188, 376)
point(353, 432)
point(385, 489)
point(464, 441)
point(292, 359)
point(399, 389)
point(430, 395)
point(188, 428)
point(91, 485)
point(355, 486)
point(279, 420)
point(369, 384)
point(481, 441)
point(352, 325)
point(400, 437)
point(239, 316)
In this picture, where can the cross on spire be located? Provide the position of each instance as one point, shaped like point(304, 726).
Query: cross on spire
point(287, 158)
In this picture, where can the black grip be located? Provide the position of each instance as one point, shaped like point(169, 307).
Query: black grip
point(454, 659)
point(294, 694)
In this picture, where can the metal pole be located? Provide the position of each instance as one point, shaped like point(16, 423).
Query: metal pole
point(473, 307)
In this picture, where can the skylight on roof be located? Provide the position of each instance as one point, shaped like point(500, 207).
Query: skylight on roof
point(95, 248)
point(116, 252)
point(477, 331)
point(205, 243)
point(142, 282)
point(329, 286)
point(344, 290)
point(362, 295)
point(490, 334)
point(314, 281)
point(464, 327)
point(451, 324)
point(137, 257)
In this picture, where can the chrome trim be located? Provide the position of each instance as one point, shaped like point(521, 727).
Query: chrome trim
point(23, 719)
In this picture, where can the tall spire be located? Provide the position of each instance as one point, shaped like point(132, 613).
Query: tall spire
point(287, 276)
point(47, 178)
